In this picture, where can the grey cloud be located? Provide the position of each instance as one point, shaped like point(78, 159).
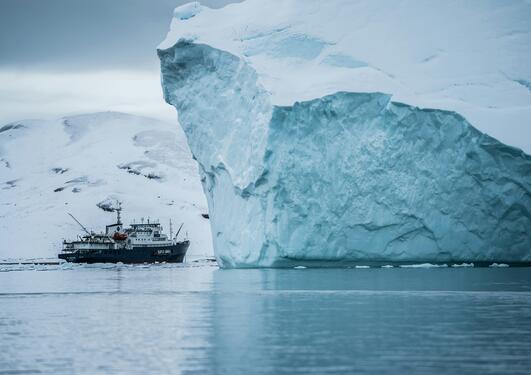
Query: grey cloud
point(84, 34)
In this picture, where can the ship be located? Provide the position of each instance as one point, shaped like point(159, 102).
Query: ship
point(143, 242)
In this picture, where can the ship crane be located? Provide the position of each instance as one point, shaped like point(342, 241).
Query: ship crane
point(179, 230)
point(81, 225)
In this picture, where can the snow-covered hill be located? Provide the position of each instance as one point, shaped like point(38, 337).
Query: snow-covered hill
point(49, 168)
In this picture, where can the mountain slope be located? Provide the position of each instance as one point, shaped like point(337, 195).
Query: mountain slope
point(49, 168)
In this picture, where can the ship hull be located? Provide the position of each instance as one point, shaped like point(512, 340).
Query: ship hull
point(170, 254)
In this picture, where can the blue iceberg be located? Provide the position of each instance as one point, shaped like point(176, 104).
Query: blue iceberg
point(344, 178)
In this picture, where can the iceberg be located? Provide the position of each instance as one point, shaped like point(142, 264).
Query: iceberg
point(299, 165)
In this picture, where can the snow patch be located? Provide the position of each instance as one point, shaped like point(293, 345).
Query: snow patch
point(424, 265)
point(10, 184)
point(59, 170)
point(343, 61)
point(110, 204)
point(463, 265)
point(142, 168)
point(8, 127)
point(499, 265)
point(285, 46)
point(187, 11)
point(525, 83)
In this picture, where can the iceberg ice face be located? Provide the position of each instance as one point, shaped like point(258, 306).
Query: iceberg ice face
point(305, 158)
point(347, 177)
point(201, 81)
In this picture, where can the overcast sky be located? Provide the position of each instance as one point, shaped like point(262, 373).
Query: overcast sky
point(60, 57)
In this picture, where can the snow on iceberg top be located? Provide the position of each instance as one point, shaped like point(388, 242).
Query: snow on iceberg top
point(472, 58)
point(187, 11)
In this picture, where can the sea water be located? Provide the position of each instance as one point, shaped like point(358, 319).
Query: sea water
point(196, 318)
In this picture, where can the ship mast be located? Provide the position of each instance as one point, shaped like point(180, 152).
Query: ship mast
point(118, 217)
point(171, 230)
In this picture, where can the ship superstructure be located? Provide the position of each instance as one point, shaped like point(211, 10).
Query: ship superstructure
point(139, 243)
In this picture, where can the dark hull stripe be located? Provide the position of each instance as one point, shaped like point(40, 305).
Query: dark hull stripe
point(136, 255)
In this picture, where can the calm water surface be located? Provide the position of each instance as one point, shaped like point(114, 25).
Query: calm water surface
point(202, 320)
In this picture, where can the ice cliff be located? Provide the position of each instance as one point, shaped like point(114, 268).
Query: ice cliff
point(304, 159)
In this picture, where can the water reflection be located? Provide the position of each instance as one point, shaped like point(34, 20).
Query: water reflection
point(201, 320)
point(371, 321)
